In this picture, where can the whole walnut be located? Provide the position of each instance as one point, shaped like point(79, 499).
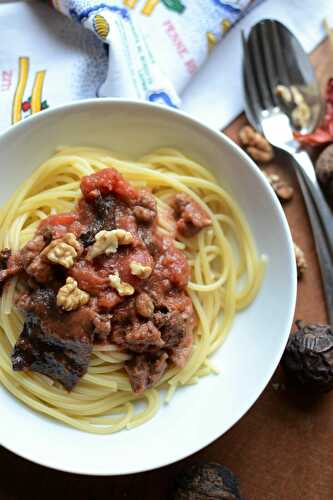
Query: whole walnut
point(207, 481)
point(308, 357)
point(324, 170)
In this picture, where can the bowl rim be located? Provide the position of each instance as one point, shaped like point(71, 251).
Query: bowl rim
point(292, 281)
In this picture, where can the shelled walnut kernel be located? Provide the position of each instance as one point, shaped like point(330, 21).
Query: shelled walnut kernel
point(282, 189)
point(256, 145)
point(300, 261)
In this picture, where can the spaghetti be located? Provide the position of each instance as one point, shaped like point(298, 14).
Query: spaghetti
point(226, 274)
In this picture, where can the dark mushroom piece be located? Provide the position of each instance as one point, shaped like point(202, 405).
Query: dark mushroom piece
point(207, 481)
point(308, 358)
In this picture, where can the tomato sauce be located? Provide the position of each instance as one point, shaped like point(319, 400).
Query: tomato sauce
point(152, 321)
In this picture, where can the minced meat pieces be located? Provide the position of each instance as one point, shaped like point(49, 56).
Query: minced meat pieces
point(35, 264)
point(173, 327)
point(145, 209)
point(190, 216)
point(124, 312)
point(10, 265)
point(180, 353)
point(145, 370)
point(40, 269)
point(137, 336)
point(40, 302)
point(4, 256)
point(144, 337)
point(172, 266)
point(144, 305)
point(131, 333)
point(102, 325)
point(148, 237)
point(32, 249)
point(108, 300)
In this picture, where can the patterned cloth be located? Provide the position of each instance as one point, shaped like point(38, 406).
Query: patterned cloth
point(45, 60)
point(155, 46)
point(140, 49)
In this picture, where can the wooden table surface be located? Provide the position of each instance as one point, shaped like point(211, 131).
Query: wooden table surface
point(282, 449)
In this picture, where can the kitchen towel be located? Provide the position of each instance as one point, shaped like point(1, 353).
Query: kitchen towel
point(47, 59)
point(155, 46)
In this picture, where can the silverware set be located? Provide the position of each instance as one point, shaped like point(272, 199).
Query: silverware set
point(282, 95)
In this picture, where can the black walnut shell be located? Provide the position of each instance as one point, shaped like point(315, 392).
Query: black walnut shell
point(308, 357)
point(324, 170)
point(207, 481)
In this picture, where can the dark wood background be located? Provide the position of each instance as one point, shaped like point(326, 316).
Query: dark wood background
point(282, 449)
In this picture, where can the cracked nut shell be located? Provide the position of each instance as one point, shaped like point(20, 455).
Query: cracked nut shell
point(324, 169)
point(308, 357)
point(207, 480)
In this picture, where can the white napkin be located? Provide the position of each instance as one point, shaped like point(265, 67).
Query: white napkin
point(61, 61)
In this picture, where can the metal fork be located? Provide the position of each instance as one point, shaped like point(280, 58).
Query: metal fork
point(273, 56)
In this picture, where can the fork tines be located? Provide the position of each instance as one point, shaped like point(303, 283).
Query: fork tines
point(268, 62)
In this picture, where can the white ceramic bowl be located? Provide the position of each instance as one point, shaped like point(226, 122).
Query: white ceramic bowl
point(201, 413)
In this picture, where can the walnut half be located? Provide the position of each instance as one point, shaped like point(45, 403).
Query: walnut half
point(63, 250)
point(282, 189)
point(70, 296)
point(301, 263)
point(121, 287)
point(138, 269)
point(108, 241)
point(256, 145)
point(294, 99)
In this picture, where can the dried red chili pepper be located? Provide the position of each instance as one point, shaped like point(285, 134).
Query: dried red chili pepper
point(323, 133)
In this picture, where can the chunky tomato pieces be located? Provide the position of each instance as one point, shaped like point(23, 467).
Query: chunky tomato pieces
point(61, 224)
point(105, 182)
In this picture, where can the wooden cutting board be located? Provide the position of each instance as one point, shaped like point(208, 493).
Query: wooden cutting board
point(282, 449)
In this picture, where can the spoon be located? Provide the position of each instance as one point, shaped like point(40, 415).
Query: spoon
point(276, 65)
